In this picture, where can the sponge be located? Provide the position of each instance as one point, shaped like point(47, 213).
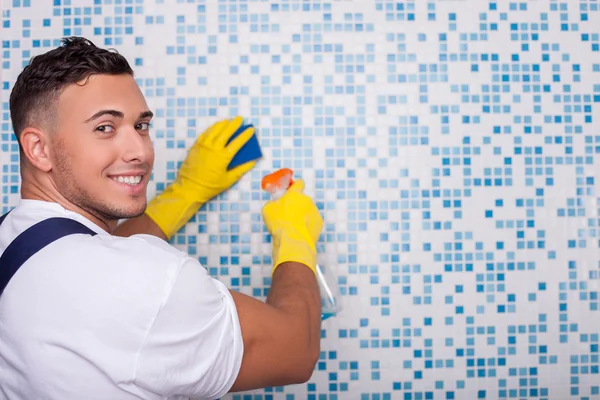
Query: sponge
point(249, 152)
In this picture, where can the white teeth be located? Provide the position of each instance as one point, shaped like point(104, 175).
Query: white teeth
point(129, 180)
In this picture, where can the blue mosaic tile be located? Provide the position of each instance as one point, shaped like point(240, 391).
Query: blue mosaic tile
point(450, 145)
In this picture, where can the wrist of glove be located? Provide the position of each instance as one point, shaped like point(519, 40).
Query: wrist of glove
point(292, 246)
point(295, 225)
point(173, 208)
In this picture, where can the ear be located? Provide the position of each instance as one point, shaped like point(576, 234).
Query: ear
point(35, 146)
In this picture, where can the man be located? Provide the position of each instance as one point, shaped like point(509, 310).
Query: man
point(119, 313)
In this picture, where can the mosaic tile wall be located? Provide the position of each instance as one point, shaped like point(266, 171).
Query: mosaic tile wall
point(451, 146)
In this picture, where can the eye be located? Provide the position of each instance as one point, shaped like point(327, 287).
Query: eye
point(105, 129)
point(142, 126)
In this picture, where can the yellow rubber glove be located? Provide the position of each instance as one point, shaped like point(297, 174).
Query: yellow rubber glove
point(202, 176)
point(295, 225)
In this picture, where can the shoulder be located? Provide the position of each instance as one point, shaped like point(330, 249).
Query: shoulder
point(141, 245)
point(144, 252)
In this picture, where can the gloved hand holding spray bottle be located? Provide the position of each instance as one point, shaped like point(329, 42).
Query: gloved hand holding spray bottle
point(277, 183)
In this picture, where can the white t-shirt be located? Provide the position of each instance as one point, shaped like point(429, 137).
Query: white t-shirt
point(106, 317)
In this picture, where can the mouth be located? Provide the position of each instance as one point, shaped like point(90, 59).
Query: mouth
point(131, 180)
point(132, 185)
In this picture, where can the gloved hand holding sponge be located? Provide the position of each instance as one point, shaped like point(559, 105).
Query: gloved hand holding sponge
point(212, 166)
point(203, 175)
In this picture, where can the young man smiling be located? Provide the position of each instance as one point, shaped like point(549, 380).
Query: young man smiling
point(115, 312)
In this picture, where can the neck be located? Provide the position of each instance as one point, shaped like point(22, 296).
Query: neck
point(31, 189)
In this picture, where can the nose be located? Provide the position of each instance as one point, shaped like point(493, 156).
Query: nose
point(136, 147)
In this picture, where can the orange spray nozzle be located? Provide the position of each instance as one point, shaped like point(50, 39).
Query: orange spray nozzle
point(278, 181)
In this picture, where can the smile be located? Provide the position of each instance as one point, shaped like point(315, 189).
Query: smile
point(128, 180)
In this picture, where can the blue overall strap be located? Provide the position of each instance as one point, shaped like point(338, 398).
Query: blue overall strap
point(2, 218)
point(33, 240)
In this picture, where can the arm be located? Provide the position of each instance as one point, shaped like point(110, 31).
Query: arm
point(282, 337)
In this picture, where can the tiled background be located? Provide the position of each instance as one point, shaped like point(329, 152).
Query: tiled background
point(451, 145)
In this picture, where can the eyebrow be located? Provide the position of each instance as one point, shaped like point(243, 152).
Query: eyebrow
point(146, 114)
point(118, 114)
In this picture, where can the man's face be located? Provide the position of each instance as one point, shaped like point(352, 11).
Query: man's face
point(101, 149)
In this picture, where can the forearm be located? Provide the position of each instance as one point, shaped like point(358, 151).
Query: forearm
point(282, 337)
point(295, 292)
point(139, 225)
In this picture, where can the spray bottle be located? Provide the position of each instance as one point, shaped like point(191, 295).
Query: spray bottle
point(277, 183)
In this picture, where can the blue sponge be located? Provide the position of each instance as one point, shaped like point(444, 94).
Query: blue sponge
point(249, 152)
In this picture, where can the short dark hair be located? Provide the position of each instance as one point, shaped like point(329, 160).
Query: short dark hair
point(42, 81)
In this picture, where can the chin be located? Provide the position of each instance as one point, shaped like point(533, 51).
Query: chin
point(137, 209)
point(124, 209)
